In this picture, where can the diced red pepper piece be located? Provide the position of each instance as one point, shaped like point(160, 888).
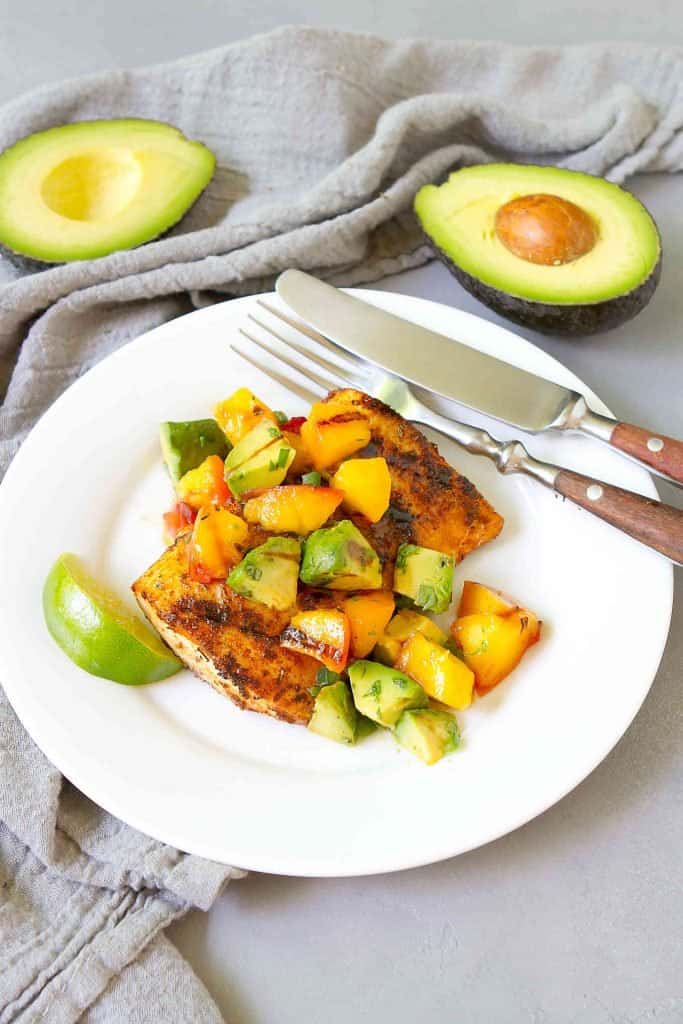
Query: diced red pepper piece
point(294, 424)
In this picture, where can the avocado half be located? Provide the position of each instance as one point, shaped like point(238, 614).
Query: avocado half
point(83, 190)
point(558, 251)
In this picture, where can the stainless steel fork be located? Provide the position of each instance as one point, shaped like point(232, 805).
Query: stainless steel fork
point(654, 524)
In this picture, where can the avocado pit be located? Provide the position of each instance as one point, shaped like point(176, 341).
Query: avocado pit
point(545, 229)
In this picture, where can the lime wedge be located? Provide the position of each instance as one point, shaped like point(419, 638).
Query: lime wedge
point(98, 632)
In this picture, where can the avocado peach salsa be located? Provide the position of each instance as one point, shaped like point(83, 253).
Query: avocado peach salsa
point(302, 487)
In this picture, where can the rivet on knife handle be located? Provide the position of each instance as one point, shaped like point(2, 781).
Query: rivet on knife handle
point(663, 454)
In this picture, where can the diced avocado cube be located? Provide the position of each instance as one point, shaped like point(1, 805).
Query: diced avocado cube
point(406, 622)
point(400, 628)
point(383, 693)
point(267, 468)
point(365, 727)
point(339, 557)
point(269, 573)
point(387, 650)
point(425, 576)
point(427, 733)
point(260, 436)
point(187, 443)
point(334, 714)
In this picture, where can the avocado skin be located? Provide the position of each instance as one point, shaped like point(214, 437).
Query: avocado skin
point(545, 317)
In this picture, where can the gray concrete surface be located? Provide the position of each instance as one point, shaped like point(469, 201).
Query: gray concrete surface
point(575, 918)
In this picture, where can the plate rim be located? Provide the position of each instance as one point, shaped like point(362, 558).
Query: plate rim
point(265, 863)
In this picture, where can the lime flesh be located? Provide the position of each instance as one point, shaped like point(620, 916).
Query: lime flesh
point(95, 629)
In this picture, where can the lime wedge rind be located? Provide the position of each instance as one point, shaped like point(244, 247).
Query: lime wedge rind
point(97, 632)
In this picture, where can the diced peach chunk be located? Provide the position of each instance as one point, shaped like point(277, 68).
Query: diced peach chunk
point(332, 432)
point(217, 543)
point(478, 598)
point(368, 614)
point(204, 484)
point(493, 645)
point(440, 674)
point(324, 634)
point(293, 508)
point(366, 484)
point(302, 459)
point(240, 413)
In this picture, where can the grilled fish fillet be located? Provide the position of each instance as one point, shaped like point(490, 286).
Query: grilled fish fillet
point(228, 640)
point(431, 503)
point(233, 643)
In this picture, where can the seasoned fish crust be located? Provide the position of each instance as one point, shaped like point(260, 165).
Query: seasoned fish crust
point(431, 503)
point(229, 641)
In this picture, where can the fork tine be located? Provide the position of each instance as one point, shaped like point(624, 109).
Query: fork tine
point(339, 374)
point(325, 381)
point(305, 394)
point(314, 335)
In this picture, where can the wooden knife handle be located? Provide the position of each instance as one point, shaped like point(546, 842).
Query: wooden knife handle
point(657, 525)
point(663, 454)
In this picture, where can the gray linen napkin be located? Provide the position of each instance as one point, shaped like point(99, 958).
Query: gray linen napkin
point(322, 139)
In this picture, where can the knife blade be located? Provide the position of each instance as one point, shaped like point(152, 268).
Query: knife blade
point(455, 371)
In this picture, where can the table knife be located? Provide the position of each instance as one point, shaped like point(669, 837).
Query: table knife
point(462, 374)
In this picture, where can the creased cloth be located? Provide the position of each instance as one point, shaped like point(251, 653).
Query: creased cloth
point(322, 138)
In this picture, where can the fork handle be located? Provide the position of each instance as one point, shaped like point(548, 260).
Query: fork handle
point(651, 522)
point(654, 524)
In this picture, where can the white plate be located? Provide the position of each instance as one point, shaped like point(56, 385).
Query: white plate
point(179, 762)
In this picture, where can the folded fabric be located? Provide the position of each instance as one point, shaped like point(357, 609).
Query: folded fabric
point(322, 139)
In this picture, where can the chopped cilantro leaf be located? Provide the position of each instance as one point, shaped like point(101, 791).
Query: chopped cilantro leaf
point(375, 690)
point(404, 552)
point(281, 460)
point(325, 676)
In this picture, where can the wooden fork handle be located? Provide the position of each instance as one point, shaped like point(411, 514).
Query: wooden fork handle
point(661, 453)
point(657, 525)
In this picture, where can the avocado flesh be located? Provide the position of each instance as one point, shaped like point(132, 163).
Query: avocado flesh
point(597, 291)
point(84, 190)
point(334, 714)
point(400, 628)
point(382, 694)
point(427, 733)
point(187, 443)
point(339, 557)
point(267, 468)
point(255, 441)
point(269, 573)
point(425, 576)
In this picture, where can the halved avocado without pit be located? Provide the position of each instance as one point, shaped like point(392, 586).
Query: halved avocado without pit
point(84, 190)
point(556, 250)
